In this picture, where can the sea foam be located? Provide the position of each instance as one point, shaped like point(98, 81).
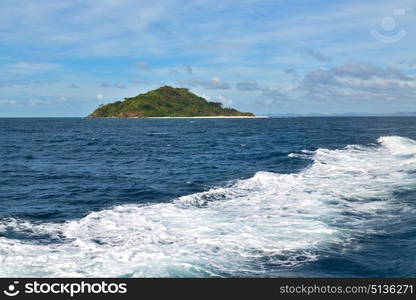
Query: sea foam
point(281, 220)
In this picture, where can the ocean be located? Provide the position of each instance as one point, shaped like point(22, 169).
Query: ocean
point(276, 197)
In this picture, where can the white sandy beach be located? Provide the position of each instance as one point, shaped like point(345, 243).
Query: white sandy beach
point(212, 117)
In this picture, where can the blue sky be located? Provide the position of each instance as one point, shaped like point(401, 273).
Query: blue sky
point(64, 58)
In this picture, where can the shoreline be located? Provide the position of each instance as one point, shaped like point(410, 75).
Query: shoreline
point(196, 117)
point(211, 117)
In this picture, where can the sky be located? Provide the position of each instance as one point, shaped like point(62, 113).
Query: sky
point(64, 58)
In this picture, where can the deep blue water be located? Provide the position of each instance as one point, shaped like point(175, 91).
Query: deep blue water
point(264, 197)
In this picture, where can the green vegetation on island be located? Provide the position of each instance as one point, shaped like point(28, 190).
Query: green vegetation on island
point(165, 101)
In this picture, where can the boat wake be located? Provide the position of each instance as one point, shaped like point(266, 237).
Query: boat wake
point(279, 220)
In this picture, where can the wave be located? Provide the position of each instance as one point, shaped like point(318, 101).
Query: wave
point(279, 220)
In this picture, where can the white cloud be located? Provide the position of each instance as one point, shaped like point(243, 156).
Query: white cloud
point(223, 100)
point(100, 97)
point(7, 101)
point(248, 86)
point(214, 83)
point(116, 85)
point(317, 55)
point(359, 81)
point(30, 68)
point(39, 102)
point(186, 69)
point(142, 65)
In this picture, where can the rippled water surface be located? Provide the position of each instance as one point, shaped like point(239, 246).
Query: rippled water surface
point(208, 197)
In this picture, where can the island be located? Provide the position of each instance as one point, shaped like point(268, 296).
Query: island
point(167, 102)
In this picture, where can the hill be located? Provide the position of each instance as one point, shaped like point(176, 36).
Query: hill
point(165, 101)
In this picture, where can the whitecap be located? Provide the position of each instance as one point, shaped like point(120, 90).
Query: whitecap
point(286, 218)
